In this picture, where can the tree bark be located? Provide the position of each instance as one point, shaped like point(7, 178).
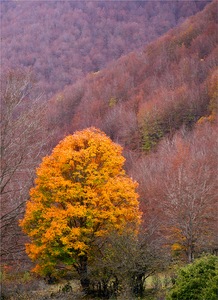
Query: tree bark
point(82, 270)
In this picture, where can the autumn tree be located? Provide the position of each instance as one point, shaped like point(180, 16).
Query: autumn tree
point(22, 143)
point(190, 193)
point(178, 189)
point(81, 194)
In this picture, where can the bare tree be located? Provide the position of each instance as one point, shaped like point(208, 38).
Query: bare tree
point(190, 194)
point(22, 143)
point(178, 189)
point(122, 264)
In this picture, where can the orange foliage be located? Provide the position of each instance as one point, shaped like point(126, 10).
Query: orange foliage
point(81, 193)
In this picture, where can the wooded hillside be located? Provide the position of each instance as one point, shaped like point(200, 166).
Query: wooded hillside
point(148, 94)
point(61, 41)
point(161, 105)
point(158, 102)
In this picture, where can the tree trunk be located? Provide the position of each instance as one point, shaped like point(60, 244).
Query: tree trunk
point(190, 252)
point(83, 273)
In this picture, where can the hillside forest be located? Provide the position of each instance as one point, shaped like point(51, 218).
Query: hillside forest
point(113, 103)
point(62, 41)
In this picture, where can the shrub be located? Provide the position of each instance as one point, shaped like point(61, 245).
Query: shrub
point(198, 280)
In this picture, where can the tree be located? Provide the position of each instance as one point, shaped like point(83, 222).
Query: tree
point(178, 190)
point(189, 199)
point(22, 143)
point(81, 194)
point(197, 280)
point(124, 263)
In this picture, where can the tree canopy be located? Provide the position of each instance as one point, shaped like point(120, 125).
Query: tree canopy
point(81, 193)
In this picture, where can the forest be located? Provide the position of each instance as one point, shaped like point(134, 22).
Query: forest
point(109, 150)
point(64, 40)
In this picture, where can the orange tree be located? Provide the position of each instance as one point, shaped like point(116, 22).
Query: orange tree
point(81, 194)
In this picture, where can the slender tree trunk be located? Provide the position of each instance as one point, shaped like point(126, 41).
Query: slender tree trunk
point(190, 251)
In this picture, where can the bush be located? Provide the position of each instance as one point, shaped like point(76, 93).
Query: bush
point(198, 280)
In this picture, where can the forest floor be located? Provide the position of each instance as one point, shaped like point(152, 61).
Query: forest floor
point(26, 287)
point(38, 289)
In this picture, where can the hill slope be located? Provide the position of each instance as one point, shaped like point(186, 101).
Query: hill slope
point(163, 98)
point(61, 41)
point(148, 94)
